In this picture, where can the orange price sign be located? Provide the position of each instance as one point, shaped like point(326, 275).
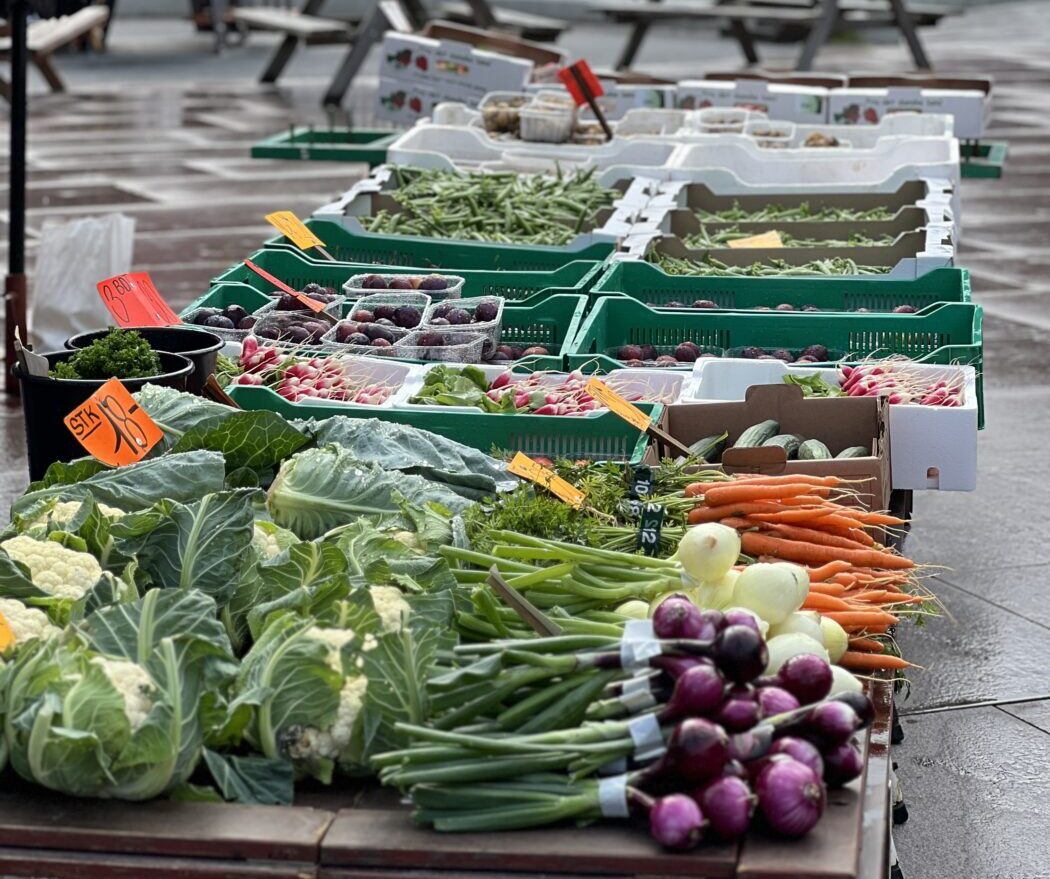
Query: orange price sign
point(133, 301)
point(112, 427)
point(312, 304)
point(615, 403)
point(522, 465)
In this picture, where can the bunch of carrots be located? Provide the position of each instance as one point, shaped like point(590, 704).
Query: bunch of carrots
point(854, 579)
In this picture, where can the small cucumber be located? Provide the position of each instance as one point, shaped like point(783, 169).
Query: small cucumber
point(854, 452)
point(710, 447)
point(757, 434)
point(789, 442)
point(813, 450)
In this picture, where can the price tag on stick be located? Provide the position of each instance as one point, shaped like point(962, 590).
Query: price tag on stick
point(289, 225)
point(522, 465)
point(316, 307)
point(524, 608)
point(134, 301)
point(631, 414)
point(112, 427)
point(584, 87)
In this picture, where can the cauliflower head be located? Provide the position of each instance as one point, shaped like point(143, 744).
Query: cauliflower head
point(268, 540)
point(309, 742)
point(64, 511)
point(53, 568)
point(336, 639)
point(134, 683)
point(391, 606)
point(26, 623)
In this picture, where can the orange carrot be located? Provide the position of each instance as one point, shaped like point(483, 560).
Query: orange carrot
point(844, 579)
point(716, 514)
point(826, 588)
point(818, 601)
point(861, 617)
point(798, 514)
point(733, 493)
point(866, 645)
point(754, 543)
point(813, 535)
point(858, 661)
point(829, 569)
point(879, 518)
point(840, 520)
point(790, 479)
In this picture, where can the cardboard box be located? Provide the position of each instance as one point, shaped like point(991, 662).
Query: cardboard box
point(621, 97)
point(869, 99)
point(404, 103)
point(792, 103)
point(540, 54)
point(784, 77)
point(838, 422)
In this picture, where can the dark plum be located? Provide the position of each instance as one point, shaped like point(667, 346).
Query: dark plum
point(312, 288)
point(236, 313)
point(785, 306)
point(430, 340)
point(486, 311)
point(268, 332)
point(535, 351)
point(385, 322)
point(380, 343)
point(685, 353)
point(705, 303)
point(344, 329)
point(819, 352)
point(506, 351)
point(246, 323)
point(220, 322)
point(295, 333)
point(377, 331)
point(363, 316)
point(806, 358)
point(401, 284)
point(407, 316)
point(674, 303)
point(649, 352)
point(442, 309)
point(359, 339)
point(752, 353)
point(629, 352)
point(458, 317)
point(373, 282)
point(500, 357)
point(287, 302)
point(905, 309)
point(666, 360)
point(204, 313)
point(439, 322)
point(784, 354)
point(386, 311)
point(433, 282)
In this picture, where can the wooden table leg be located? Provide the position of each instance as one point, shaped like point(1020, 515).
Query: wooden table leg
point(634, 43)
point(818, 34)
point(743, 36)
point(906, 25)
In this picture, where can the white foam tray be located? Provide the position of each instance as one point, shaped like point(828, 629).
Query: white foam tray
point(931, 447)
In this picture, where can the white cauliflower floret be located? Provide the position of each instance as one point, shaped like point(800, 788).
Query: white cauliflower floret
point(268, 540)
point(331, 742)
point(26, 623)
point(391, 606)
point(53, 568)
point(336, 639)
point(134, 684)
point(63, 512)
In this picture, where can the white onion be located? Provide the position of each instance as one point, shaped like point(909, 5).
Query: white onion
point(835, 638)
point(800, 576)
point(843, 681)
point(783, 647)
point(770, 590)
point(718, 594)
point(804, 622)
point(636, 609)
point(708, 551)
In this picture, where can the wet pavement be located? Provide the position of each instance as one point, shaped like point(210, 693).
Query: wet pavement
point(160, 130)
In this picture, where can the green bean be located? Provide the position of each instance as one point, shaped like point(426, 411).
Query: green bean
point(710, 267)
point(722, 237)
point(803, 212)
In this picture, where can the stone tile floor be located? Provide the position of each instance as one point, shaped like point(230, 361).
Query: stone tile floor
point(160, 128)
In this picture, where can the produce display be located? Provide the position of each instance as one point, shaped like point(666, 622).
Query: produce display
point(427, 283)
point(802, 213)
point(119, 353)
point(711, 266)
point(230, 317)
point(507, 208)
point(299, 327)
point(689, 352)
point(722, 237)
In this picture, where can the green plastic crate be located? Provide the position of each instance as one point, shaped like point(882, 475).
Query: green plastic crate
point(605, 437)
point(982, 159)
point(943, 333)
point(647, 283)
point(405, 250)
point(366, 145)
point(297, 270)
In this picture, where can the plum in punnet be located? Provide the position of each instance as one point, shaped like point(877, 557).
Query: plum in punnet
point(674, 303)
point(439, 322)
point(236, 313)
point(312, 288)
point(407, 316)
point(629, 352)
point(316, 329)
point(204, 313)
point(485, 312)
point(385, 322)
point(818, 352)
point(363, 316)
point(785, 306)
point(430, 340)
point(783, 354)
point(401, 284)
point(386, 311)
point(373, 282)
point(458, 317)
point(219, 322)
point(705, 303)
point(685, 353)
point(535, 351)
point(442, 309)
point(296, 334)
point(649, 352)
point(500, 357)
point(358, 339)
point(666, 360)
point(506, 350)
point(433, 282)
point(268, 332)
point(905, 309)
point(752, 353)
point(246, 323)
point(287, 302)
point(380, 343)
point(376, 331)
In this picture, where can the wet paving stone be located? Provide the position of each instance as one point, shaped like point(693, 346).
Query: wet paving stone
point(1035, 713)
point(976, 787)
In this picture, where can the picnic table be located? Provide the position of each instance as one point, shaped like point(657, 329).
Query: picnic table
point(356, 830)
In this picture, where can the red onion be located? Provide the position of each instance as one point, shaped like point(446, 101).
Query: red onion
point(697, 692)
point(859, 703)
point(676, 821)
point(698, 749)
point(806, 677)
point(842, 764)
point(741, 654)
point(676, 666)
point(735, 768)
point(738, 617)
point(678, 617)
point(728, 804)
point(715, 618)
point(738, 713)
point(831, 723)
point(799, 749)
point(774, 700)
point(791, 797)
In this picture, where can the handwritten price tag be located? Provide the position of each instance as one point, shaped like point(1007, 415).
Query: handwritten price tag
point(312, 304)
point(615, 403)
point(112, 427)
point(7, 637)
point(766, 239)
point(289, 225)
point(134, 301)
point(522, 465)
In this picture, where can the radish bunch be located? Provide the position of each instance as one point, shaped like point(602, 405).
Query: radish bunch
point(541, 394)
point(899, 384)
point(321, 378)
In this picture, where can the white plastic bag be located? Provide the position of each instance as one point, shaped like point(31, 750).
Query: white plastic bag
point(71, 259)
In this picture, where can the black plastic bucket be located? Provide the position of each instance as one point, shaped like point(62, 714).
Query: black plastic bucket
point(200, 346)
point(47, 401)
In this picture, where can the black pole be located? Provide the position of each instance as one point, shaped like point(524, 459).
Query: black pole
point(15, 286)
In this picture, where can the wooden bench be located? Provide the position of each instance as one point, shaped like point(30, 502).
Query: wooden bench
point(818, 17)
point(45, 36)
point(523, 24)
